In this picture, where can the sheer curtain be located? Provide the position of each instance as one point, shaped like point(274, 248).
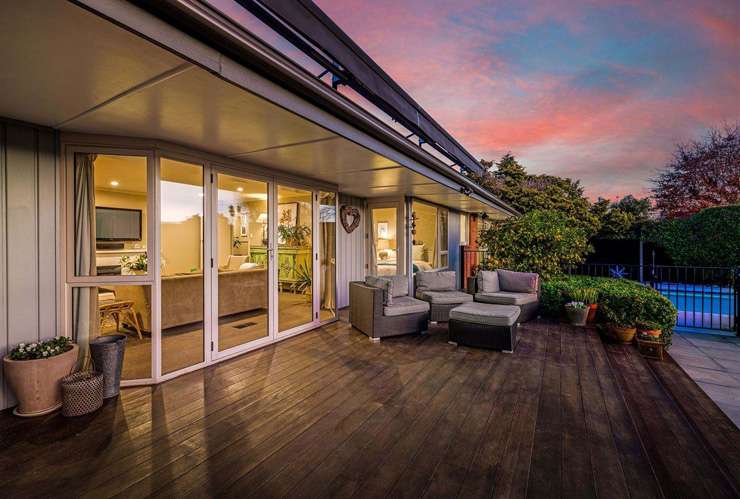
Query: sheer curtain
point(328, 279)
point(84, 300)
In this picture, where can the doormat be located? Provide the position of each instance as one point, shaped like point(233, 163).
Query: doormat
point(244, 325)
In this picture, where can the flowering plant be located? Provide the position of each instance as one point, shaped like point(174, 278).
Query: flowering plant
point(41, 350)
point(576, 304)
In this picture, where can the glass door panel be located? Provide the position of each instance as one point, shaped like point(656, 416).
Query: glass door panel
point(181, 264)
point(294, 257)
point(241, 251)
point(327, 255)
point(384, 257)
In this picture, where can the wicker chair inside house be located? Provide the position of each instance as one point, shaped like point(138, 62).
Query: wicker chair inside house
point(505, 287)
point(378, 315)
point(439, 288)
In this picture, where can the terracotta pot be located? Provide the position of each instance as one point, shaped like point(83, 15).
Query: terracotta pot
point(37, 384)
point(623, 334)
point(576, 316)
point(655, 333)
point(592, 312)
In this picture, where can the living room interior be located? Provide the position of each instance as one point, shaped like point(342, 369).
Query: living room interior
point(241, 240)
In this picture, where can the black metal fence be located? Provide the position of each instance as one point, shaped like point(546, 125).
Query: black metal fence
point(706, 297)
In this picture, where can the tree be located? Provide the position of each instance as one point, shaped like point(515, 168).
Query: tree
point(623, 219)
point(542, 241)
point(701, 174)
point(510, 181)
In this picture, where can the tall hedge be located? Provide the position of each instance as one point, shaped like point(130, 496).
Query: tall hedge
point(710, 238)
point(644, 302)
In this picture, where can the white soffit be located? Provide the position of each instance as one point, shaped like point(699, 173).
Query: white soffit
point(69, 69)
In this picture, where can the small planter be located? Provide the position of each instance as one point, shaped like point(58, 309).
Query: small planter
point(592, 312)
point(82, 393)
point(577, 316)
point(37, 383)
point(655, 333)
point(623, 334)
point(651, 348)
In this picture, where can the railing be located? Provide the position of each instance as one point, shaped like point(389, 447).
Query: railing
point(706, 297)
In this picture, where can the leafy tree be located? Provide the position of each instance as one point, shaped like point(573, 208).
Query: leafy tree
point(623, 219)
point(702, 174)
point(542, 241)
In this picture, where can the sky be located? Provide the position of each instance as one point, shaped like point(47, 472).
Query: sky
point(594, 90)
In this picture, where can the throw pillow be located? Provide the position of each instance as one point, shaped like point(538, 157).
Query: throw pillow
point(518, 282)
point(383, 283)
point(488, 281)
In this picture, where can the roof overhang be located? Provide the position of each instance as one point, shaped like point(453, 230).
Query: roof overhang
point(183, 90)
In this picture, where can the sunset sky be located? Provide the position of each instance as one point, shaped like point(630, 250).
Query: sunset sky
point(594, 90)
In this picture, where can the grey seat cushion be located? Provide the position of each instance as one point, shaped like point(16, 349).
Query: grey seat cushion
point(444, 297)
point(485, 313)
point(405, 305)
point(488, 281)
point(506, 298)
point(518, 282)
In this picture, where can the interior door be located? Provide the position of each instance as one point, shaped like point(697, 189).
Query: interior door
point(242, 263)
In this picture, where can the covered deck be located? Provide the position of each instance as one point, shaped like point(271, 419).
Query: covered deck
point(329, 413)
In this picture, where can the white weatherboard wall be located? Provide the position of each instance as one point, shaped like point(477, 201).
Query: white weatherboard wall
point(350, 251)
point(28, 239)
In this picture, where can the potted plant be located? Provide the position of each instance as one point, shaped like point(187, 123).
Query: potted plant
point(577, 312)
point(34, 373)
point(621, 319)
point(136, 266)
point(649, 328)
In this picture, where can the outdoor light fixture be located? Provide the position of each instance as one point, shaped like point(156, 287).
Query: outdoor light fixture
point(114, 183)
point(240, 189)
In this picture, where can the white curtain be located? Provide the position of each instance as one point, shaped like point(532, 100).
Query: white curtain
point(84, 300)
point(328, 275)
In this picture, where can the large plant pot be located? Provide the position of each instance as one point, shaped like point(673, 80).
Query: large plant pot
point(592, 313)
point(623, 334)
point(577, 316)
point(37, 384)
point(107, 356)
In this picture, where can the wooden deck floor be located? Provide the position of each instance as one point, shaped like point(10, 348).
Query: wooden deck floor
point(331, 414)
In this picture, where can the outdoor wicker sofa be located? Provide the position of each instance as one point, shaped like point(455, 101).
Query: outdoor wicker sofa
point(380, 307)
point(439, 288)
point(505, 287)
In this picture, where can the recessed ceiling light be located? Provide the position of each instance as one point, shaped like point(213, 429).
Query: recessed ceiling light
point(114, 183)
point(240, 189)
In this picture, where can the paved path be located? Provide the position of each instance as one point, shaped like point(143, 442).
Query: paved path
point(714, 364)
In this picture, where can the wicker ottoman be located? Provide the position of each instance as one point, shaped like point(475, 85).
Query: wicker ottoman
point(484, 325)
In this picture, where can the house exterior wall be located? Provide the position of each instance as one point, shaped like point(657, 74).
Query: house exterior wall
point(29, 243)
point(351, 252)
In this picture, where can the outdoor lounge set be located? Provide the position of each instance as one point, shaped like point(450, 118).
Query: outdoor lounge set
point(485, 316)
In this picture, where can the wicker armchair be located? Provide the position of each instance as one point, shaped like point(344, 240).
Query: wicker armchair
point(529, 310)
point(368, 313)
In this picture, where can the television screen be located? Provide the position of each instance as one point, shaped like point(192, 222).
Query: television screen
point(117, 224)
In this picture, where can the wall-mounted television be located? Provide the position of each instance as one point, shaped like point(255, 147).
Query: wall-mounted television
point(117, 224)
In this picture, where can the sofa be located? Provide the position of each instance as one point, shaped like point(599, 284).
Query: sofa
point(182, 296)
point(381, 307)
point(506, 287)
point(439, 289)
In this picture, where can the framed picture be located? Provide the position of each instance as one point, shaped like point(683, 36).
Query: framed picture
point(288, 214)
point(383, 230)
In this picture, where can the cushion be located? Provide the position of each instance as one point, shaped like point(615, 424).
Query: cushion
point(248, 265)
point(518, 282)
point(404, 305)
point(384, 283)
point(400, 285)
point(436, 281)
point(485, 313)
point(417, 252)
point(488, 281)
point(507, 298)
point(234, 261)
point(444, 297)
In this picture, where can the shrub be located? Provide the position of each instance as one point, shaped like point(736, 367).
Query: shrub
point(620, 300)
point(542, 241)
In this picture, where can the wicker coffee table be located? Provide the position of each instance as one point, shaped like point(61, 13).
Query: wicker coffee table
point(484, 325)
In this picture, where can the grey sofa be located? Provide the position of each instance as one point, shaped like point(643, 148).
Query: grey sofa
point(505, 287)
point(439, 289)
point(378, 315)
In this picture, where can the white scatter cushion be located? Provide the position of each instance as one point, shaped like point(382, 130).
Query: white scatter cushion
point(488, 281)
point(248, 265)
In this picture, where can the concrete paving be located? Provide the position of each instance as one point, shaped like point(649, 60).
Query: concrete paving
point(713, 362)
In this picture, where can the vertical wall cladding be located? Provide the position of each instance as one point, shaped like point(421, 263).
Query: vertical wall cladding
point(350, 251)
point(28, 238)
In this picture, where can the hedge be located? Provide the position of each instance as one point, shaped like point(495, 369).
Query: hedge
point(643, 303)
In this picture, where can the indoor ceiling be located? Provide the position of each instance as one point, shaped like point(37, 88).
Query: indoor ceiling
point(99, 78)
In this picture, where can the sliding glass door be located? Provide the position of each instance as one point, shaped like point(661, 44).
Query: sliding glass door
point(242, 260)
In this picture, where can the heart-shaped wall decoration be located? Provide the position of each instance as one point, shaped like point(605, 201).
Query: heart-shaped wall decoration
point(346, 212)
